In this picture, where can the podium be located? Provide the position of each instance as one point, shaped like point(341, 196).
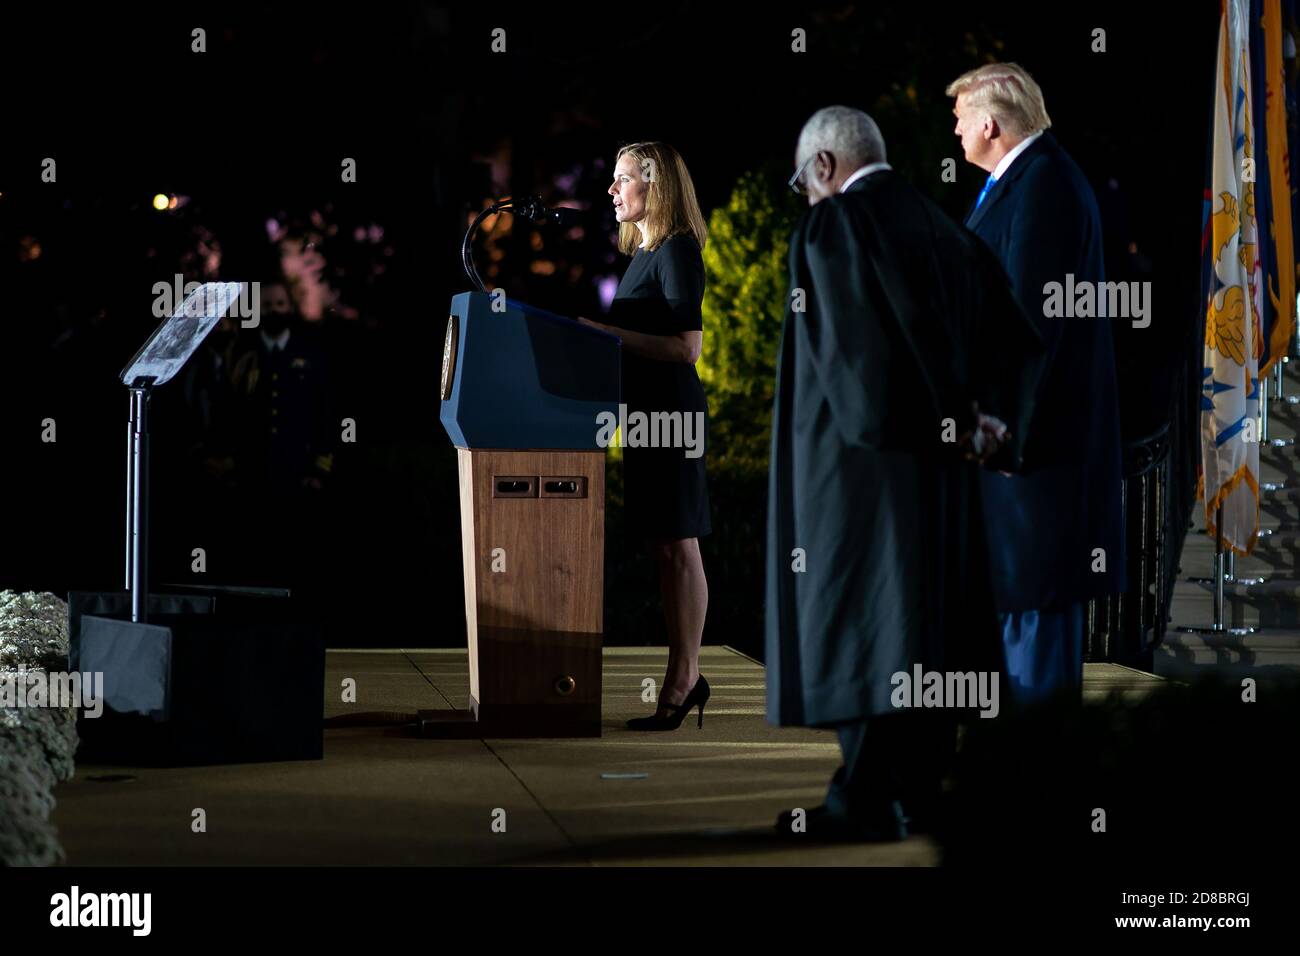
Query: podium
point(521, 391)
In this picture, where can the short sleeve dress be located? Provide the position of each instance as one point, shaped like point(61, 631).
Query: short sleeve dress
point(665, 489)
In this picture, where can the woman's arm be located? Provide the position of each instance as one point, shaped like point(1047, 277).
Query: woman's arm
point(677, 347)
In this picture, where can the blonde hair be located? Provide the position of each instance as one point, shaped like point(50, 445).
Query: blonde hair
point(1008, 93)
point(670, 204)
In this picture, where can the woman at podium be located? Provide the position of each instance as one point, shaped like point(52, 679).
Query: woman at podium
point(656, 312)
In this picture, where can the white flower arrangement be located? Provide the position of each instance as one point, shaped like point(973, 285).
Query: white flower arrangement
point(37, 746)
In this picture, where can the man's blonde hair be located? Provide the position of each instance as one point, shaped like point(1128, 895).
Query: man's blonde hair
point(670, 203)
point(1008, 93)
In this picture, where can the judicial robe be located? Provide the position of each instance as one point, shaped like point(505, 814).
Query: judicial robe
point(898, 319)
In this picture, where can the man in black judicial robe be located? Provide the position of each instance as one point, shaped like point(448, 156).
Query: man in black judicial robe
point(903, 353)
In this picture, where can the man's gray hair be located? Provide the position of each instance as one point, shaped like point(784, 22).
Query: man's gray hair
point(850, 134)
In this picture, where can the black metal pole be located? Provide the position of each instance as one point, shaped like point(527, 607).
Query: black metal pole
point(138, 569)
point(128, 564)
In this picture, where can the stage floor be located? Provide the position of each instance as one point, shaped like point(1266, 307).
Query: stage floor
point(381, 796)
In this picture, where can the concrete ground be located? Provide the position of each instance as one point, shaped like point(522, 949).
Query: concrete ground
point(382, 796)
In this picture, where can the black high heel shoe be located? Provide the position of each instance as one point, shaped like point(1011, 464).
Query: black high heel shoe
point(699, 696)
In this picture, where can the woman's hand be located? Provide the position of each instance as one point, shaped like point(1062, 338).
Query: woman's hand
point(675, 347)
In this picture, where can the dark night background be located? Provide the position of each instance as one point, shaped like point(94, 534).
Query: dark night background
point(256, 128)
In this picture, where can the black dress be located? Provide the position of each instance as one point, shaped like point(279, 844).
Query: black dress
point(665, 490)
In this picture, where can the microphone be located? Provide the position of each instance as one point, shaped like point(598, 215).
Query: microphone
point(533, 210)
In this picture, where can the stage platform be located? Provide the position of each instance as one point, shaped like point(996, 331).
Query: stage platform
point(382, 796)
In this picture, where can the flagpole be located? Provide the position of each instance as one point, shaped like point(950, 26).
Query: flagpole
point(1224, 568)
point(1220, 572)
point(1263, 408)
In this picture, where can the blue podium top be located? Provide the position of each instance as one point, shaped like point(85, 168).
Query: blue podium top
point(516, 376)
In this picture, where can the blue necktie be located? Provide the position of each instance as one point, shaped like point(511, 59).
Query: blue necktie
point(988, 184)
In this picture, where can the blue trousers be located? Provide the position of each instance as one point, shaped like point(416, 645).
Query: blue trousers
point(1044, 652)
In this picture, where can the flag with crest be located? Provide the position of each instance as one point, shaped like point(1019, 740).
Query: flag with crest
point(1234, 281)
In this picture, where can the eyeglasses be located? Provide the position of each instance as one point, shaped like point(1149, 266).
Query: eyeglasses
point(796, 181)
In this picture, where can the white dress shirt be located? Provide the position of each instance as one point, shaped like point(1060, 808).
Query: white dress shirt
point(1005, 163)
point(276, 344)
point(866, 170)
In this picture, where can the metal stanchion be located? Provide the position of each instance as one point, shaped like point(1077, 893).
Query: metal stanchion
point(1262, 387)
point(1279, 393)
point(1224, 565)
point(1276, 376)
point(1270, 487)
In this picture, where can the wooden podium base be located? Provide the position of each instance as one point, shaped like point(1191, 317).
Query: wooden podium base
point(533, 545)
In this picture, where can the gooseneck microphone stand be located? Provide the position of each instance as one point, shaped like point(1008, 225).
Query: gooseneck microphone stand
point(531, 209)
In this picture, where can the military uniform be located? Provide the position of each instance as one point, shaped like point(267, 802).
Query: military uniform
point(286, 434)
point(284, 456)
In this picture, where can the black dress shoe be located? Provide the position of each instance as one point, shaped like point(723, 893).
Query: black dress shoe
point(921, 823)
point(699, 696)
point(885, 826)
point(923, 814)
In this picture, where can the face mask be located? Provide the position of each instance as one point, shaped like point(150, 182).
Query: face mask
point(273, 323)
point(219, 338)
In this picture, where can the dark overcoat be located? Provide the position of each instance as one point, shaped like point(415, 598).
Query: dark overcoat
point(1046, 525)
